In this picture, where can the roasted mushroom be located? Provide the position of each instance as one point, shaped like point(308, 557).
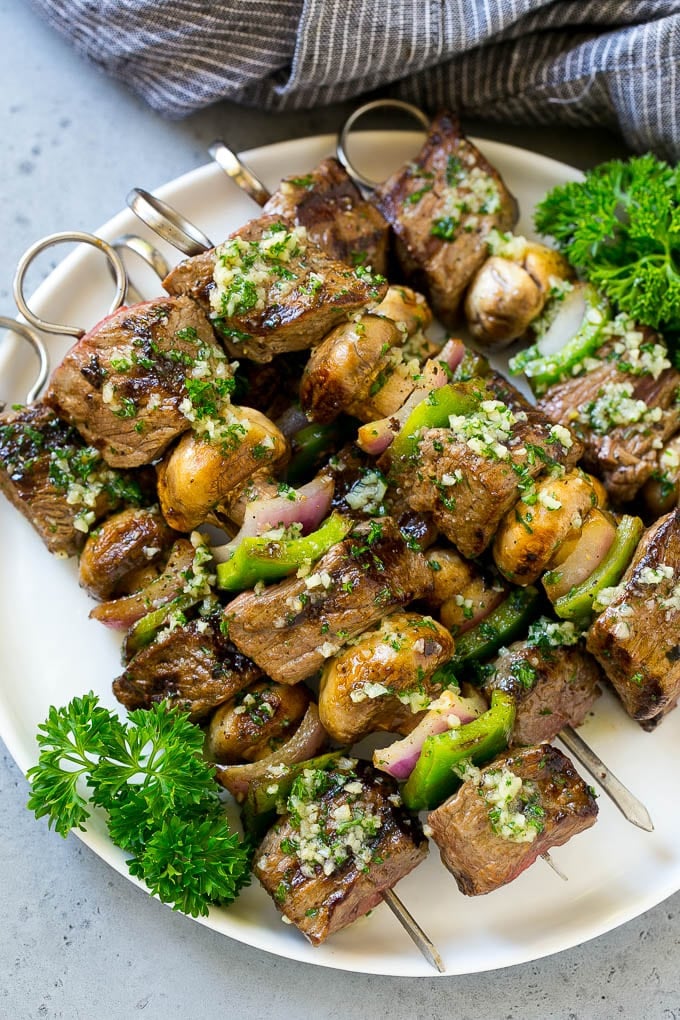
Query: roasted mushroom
point(510, 290)
point(556, 508)
point(126, 544)
point(256, 722)
point(384, 680)
point(200, 473)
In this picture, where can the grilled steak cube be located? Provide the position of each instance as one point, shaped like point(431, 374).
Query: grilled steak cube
point(441, 207)
point(506, 815)
point(469, 475)
point(330, 207)
point(268, 289)
point(636, 639)
point(193, 665)
point(57, 482)
point(622, 414)
point(124, 384)
point(343, 841)
point(553, 684)
point(291, 628)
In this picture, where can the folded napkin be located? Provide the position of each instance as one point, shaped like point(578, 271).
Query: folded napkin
point(611, 62)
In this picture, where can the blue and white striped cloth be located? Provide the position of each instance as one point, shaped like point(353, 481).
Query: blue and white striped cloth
point(611, 62)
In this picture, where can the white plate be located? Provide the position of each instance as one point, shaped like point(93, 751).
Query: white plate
point(50, 651)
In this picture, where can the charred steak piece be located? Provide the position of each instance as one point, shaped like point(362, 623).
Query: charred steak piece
point(469, 475)
point(506, 815)
point(386, 680)
point(636, 639)
point(269, 289)
point(124, 545)
point(60, 485)
point(622, 413)
point(441, 207)
point(193, 666)
point(330, 206)
point(344, 839)
point(553, 684)
point(124, 384)
point(291, 628)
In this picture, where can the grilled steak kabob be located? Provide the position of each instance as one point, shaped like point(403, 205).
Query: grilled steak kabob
point(268, 290)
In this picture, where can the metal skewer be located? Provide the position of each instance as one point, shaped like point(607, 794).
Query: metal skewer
point(558, 871)
point(168, 223)
point(145, 250)
point(230, 162)
point(67, 236)
point(633, 810)
point(32, 338)
point(415, 932)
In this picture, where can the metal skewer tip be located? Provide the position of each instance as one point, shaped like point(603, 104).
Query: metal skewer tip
point(632, 809)
point(415, 932)
point(558, 871)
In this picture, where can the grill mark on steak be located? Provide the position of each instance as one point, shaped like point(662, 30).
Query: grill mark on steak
point(290, 630)
point(469, 512)
point(192, 666)
point(478, 858)
point(320, 904)
point(301, 319)
point(123, 383)
point(442, 268)
point(34, 442)
point(636, 639)
point(330, 206)
point(627, 455)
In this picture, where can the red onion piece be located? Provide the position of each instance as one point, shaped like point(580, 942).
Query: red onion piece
point(399, 759)
point(305, 743)
point(376, 436)
point(309, 507)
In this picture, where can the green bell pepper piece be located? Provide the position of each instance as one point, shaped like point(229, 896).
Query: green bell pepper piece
point(258, 811)
point(542, 370)
point(434, 412)
point(433, 779)
point(265, 559)
point(577, 604)
point(503, 624)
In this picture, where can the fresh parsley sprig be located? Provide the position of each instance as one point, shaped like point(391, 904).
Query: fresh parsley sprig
point(160, 796)
point(620, 227)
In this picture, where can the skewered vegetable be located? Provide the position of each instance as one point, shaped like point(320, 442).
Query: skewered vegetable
point(434, 777)
point(276, 554)
point(510, 290)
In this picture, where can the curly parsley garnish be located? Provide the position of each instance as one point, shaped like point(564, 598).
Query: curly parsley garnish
point(162, 804)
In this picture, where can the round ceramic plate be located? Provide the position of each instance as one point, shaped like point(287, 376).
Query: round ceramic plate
point(50, 651)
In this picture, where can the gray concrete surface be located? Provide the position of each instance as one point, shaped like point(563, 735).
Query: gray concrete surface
point(76, 940)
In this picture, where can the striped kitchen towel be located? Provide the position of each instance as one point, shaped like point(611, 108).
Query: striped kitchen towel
point(612, 62)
